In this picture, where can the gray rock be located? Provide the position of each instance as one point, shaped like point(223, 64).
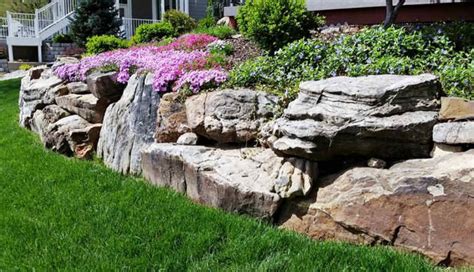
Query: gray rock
point(443, 149)
point(58, 137)
point(33, 96)
point(376, 163)
point(87, 106)
point(43, 118)
point(129, 124)
point(78, 88)
point(188, 139)
point(63, 60)
point(388, 117)
point(454, 133)
point(229, 116)
point(247, 180)
point(104, 85)
point(422, 205)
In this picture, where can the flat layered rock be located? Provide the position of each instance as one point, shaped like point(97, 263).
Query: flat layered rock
point(424, 205)
point(42, 119)
point(33, 92)
point(388, 117)
point(58, 137)
point(105, 85)
point(87, 106)
point(454, 133)
point(248, 180)
point(453, 108)
point(78, 88)
point(129, 124)
point(229, 116)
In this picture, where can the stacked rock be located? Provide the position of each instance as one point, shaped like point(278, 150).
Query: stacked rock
point(456, 132)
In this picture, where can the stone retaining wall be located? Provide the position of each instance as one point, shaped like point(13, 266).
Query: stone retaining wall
point(52, 50)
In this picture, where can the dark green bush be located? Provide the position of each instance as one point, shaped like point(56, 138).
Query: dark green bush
point(99, 44)
point(95, 18)
point(275, 23)
point(221, 32)
point(181, 22)
point(371, 51)
point(153, 32)
point(62, 38)
point(206, 22)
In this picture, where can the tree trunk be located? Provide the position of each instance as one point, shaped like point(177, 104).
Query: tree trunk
point(392, 12)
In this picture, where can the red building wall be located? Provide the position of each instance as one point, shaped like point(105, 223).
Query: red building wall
point(408, 14)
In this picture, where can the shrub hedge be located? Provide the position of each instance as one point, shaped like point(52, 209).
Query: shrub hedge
point(395, 50)
point(221, 32)
point(103, 43)
point(153, 32)
point(180, 21)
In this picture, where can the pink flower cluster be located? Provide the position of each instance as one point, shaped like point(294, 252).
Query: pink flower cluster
point(181, 64)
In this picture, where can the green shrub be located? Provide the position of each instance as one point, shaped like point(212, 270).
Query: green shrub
point(181, 22)
point(62, 38)
point(206, 22)
point(153, 32)
point(99, 44)
point(221, 47)
point(94, 18)
point(275, 23)
point(371, 51)
point(221, 32)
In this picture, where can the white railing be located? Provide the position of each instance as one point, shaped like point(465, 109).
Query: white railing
point(3, 28)
point(129, 25)
point(21, 25)
point(53, 12)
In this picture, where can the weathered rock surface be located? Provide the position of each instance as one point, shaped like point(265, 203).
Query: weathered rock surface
point(104, 85)
point(187, 139)
point(83, 141)
point(247, 180)
point(388, 117)
point(43, 118)
point(443, 149)
point(129, 124)
point(424, 205)
point(229, 116)
point(33, 95)
point(87, 106)
point(171, 120)
point(456, 108)
point(58, 137)
point(78, 88)
point(454, 133)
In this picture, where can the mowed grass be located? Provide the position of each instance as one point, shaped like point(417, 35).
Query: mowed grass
point(58, 213)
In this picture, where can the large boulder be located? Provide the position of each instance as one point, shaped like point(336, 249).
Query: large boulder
point(424, 205)
point(229, 116)
point(87, 106)
point(42, 119)
point(77, 88)
point(171, 121)
point(33, 90)
point(105, 85)
point(249, 180)
point(387, 116)
point(58, 137)
point(128, 125)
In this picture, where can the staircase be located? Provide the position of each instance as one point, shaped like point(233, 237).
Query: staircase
point(31, 29)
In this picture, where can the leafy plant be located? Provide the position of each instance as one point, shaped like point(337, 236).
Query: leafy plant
point(104, 43)
point(62, 38)
point(221, 32)
point(275, 23)
point(25, 67)
point(94, 18)
point(180, 21)
point(208, 21)
point(372, 51)
point(153, 32)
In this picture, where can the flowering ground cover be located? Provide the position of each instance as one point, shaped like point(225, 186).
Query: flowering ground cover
point(182, 64)
point(62, 214)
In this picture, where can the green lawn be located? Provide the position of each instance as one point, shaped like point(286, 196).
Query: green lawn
point(58, 213)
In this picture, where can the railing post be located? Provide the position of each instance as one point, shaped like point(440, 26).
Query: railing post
point(36, 21)
point(9, 24)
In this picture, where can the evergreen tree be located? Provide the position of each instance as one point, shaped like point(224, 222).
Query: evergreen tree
point(95, 17)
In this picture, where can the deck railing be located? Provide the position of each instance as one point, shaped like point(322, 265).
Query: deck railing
point(53, 12)
point(21, 25)
point(3, 28)
point(129, 25)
